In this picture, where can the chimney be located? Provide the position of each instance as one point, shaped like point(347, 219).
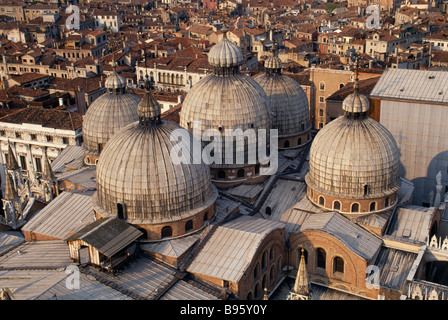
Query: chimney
point(61, 101)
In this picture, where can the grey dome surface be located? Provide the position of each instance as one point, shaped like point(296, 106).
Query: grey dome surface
point(135, 170)
point(106, 115)
point(288, 103)
point(225, 54)
point(227, 102)
point(273, 62)
point(348, 154)
point(115, 81)
point(356, 103)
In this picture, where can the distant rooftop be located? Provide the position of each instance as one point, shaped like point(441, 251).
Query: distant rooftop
point(414, 85)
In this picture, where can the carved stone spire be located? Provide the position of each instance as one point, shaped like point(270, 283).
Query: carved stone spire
point(302, 285)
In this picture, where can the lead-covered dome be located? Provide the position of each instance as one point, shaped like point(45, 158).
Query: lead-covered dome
point(107, 114)
point(354, 165)
point(138, 181)
point(225, 101)
point(288, 103)
point(225, 53)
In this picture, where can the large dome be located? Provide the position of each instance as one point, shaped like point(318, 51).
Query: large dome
point(107, 114)
point(224, 101)
point(288, 103)
point(138, 181)
point(354, 164)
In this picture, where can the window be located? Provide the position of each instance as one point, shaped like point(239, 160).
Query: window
point(338, 265)
point(321, 99)
point(366, 190)
point(322, 86)
point(387, 202)
point(355, 207)
point(373, 206)
point(49, 139)
point(321, 201)
point(240, 173)
point(167, 232)
point(321, 258)
point(286, 144)
point(65, 140)
point(33, 137)
point(221, 174)
point(321, 125)
point(321, 112)
point(299, 141)
point(120, 211)
point(22, 162)
point(268, 211)
point(336, 205)
point(38, 164)
point(188, 226)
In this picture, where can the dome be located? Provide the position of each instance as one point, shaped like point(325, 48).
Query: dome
point(349, 154)
point(115, 81)
point(354, 165)
point(137, 180)
point(355, 102)
point(225, 101)
point(273, 63)
point(225, 53)
point(288, 103)
point(108, 113)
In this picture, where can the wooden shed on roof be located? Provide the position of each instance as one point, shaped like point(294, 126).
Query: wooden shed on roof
point(105, 243)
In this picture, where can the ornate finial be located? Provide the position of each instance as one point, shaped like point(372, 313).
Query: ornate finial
point(265, 296)
point(224, 30)
point(111, 45)
point(356, 84)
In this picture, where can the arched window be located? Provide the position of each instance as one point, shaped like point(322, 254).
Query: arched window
point(321, 112)
point(268, 211)
point(188, 225)
point(240, 173)
point(257, 169)
point(205, 217)
point(387, 202)
point(167, 232)
point(120, 211)
point(341, 85)
point(338, 265)
point(264, 260)
point(366, 189)
point(299, 141)
point(373, 206)
point(336, 205)
point(271, 254)
point(322, 86)
point(257, 291)
point(249, 296)
point(286, 144)
point(221, 174)
point(321, 258)
point(256, 271)
point(355, 207)
point(321, 201)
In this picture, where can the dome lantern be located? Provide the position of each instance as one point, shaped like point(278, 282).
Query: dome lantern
point(225, 57)
point(355, 104)
point(149, 109)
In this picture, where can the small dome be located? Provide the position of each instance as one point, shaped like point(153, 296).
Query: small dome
point(115, 82)
point(288, 102)
point(273, 63)
point(108, 113)
point(225, 54)
point(354, 159)
point(135, 170)
point(355, 103)
point(149, 108)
